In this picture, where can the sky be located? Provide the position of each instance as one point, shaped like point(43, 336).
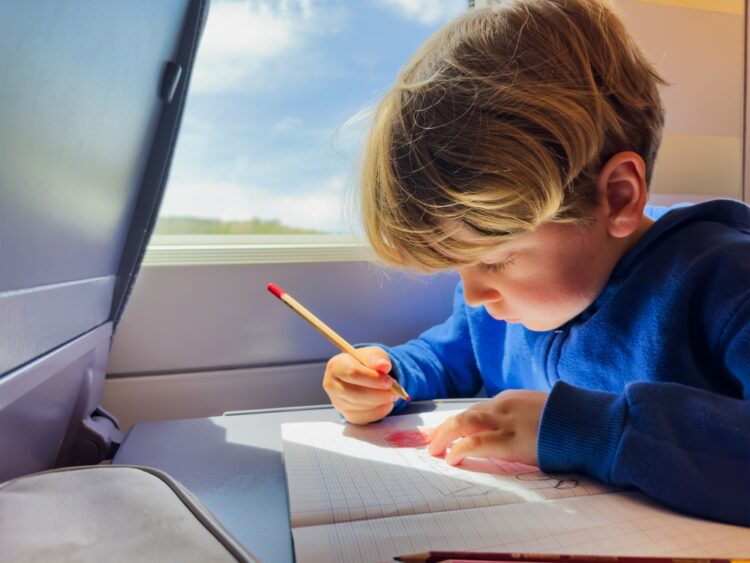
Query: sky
point(277, 105)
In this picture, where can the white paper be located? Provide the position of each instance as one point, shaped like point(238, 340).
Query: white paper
point(363, 493)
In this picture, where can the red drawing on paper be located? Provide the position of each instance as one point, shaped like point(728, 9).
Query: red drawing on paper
point(407, 438)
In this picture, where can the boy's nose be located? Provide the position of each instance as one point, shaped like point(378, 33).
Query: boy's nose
point(476, 293)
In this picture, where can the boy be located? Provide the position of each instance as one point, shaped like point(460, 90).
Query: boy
point(516, 147)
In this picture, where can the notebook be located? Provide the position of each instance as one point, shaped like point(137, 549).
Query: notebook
point(369, 493)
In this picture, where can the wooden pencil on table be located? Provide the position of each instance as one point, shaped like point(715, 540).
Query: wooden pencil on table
point(329, 333)
point(477, 556)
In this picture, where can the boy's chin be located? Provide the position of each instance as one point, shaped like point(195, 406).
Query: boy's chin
point(534, 325)
point(540, 325)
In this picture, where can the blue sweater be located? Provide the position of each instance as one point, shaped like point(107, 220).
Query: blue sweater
point(649, 386)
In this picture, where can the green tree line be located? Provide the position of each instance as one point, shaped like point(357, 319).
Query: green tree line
point(198, 226)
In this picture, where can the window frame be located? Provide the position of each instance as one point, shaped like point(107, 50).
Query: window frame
point(186, 250)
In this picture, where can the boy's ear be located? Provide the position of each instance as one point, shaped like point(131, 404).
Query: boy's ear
point(622, 190)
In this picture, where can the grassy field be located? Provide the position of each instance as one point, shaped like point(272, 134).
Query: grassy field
point(198, 226)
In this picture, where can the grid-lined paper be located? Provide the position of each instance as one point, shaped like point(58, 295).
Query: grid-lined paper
point(343, 473)
point(368, 493)
point(609, 524)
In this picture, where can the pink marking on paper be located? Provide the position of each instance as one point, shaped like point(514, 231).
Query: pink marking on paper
point(407, 438)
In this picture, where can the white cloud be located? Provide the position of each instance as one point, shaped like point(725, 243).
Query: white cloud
point(286, 124)
point(242, 37)
point(427, 12)
point(320, 207)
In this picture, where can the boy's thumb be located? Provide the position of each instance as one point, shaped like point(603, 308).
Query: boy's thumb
point(379, 361)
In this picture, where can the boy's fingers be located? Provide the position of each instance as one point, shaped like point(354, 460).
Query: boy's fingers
point(350, 370)
point(376, 381)
point(371, 415)
point(347, 406)
point(462, 424)
point(363, 396)
point(481, 444)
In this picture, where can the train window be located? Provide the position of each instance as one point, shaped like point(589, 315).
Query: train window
point(276, 116)
point(271, 129)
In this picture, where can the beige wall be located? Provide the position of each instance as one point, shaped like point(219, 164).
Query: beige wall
point(699, 47)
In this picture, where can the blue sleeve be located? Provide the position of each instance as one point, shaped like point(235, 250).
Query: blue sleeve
point(440, 363)
point(683, 446)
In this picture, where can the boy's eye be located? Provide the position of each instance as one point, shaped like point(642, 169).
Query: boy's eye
point(496, 266)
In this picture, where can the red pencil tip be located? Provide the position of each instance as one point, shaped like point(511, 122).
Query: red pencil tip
point(275, 289)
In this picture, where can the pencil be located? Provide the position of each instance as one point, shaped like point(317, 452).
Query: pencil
point(328, 332)
point(438, 556)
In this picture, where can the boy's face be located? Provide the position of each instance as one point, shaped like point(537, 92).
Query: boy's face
point(543, 278)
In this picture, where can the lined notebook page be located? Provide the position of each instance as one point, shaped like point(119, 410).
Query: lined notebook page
point(611, 524)
point(369, 493)
point(342, 473)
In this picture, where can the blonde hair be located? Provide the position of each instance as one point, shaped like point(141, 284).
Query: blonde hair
point(501, 121)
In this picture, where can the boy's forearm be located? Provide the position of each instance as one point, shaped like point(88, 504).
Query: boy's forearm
point(425, 374)
point(441, 362)
point(681, 445)
point(581, 430)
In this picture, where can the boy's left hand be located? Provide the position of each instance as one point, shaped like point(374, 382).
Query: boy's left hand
point(505, 426)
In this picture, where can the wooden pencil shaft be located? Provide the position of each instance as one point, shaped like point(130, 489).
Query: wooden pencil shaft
point(323, 328)
point(439, 556)
point(334, 337)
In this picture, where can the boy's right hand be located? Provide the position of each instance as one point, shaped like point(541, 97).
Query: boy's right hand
point(361, 394)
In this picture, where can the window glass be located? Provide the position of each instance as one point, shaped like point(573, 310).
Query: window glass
point(270, 134)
